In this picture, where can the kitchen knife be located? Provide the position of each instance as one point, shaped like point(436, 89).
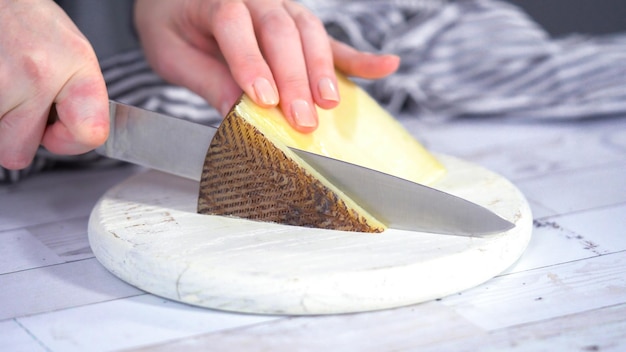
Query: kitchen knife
point(179, 147)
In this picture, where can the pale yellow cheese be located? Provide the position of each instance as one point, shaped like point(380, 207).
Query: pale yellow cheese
point(359, 131)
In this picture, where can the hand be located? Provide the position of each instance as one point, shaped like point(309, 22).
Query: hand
point(46, 60)
point(276, 51)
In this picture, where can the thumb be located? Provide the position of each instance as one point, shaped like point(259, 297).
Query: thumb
point(82, 108)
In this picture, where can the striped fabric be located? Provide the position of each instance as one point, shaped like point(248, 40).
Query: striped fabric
point(482, 57)
point(459, 59)
point(130, 80)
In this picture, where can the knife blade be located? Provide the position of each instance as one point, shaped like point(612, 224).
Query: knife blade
point(178, 147)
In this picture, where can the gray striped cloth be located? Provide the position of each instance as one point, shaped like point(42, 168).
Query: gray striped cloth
point(460, 58)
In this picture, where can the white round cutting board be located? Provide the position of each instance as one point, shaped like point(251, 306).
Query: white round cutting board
point(146, 231)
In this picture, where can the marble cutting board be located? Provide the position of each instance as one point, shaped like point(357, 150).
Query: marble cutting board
point(146, 231)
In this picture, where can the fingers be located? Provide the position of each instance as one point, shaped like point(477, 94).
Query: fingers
point(83, 116)
point(296, 52)
point(276, 51)
point(179, 44)
point(20, 135)
point(234, 32)
point(261, 44)
point(218, 87)
point(317, 54)
point(46, 60)
point(364, 65)
point(82, 122)
point(190, 67)
point(280, 39)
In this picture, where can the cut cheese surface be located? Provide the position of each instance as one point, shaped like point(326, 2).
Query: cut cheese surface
point(359, 131)
point(250, 172)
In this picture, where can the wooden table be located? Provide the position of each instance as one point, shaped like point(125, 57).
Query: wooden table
point(568, 291)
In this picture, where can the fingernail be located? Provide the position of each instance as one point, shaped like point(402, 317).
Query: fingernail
point(327, 89)
point(302, 113)
point(265, 92)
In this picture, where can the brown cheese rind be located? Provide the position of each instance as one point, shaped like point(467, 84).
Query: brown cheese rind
point(245, 175)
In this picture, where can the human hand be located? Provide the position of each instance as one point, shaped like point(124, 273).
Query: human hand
point(45, 61)
point(276, 51)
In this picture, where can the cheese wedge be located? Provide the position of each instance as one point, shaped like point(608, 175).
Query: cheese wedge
point(250, 172)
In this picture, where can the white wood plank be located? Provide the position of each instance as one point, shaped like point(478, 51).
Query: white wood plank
point(540, 210)
point(424, 327)
point(615, 138)
point(14, 338)
point(596, 330)
point(602, 230)
point(522, 150)
point(56, 196)
point(57, 287)
point(585, 189)
point(550, 246)
point(567, 238)
point(589, 337)
point(545, 293)
point(68, 238)
point(20, 250)
point(127, 323)
point(390, 330)
point(530, 152)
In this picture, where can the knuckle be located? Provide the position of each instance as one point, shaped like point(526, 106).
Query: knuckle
point(296, 83)
point(277, 21)
point(308, 21)
point(225, 13)
point(36, 66)
point(247, 64)
point(321, 63)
